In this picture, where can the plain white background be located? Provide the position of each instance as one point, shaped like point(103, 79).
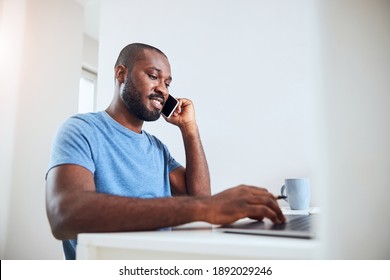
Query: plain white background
point(281, 88)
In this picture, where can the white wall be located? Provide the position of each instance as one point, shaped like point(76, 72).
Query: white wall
point(11, 40)
point(42, 48)
point(90, 53)
point(250, 68)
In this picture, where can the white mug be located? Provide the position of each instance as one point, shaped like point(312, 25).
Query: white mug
point(297, 193)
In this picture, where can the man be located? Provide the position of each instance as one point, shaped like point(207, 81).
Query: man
point(106, 174)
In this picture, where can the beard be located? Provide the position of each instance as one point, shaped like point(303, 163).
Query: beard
point(134, 104)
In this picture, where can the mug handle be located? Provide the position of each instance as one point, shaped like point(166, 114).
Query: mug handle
point(283, 192)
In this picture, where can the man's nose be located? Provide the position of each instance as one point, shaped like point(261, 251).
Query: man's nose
point(162, 89)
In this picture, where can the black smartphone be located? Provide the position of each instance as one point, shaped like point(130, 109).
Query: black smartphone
point(169, 106)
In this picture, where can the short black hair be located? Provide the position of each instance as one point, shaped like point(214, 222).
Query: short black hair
point(132, 53)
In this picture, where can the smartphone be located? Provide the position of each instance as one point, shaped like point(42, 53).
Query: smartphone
point(169, 106)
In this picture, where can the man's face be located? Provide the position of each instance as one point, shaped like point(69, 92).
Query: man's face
point(146, 86)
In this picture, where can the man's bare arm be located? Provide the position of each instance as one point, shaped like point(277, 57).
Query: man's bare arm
point(74, 207)
point(196, 176)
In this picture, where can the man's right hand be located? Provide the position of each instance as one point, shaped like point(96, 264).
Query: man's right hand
point(74, 206)
point(241, 202)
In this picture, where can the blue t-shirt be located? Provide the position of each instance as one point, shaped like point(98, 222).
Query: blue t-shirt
point(122, 162)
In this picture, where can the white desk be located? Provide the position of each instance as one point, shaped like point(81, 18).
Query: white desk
point(192, 241)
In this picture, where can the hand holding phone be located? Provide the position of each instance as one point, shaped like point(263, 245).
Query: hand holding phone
point(169, 106)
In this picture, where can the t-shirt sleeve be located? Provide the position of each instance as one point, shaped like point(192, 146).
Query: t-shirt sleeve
point(172, 164)
point(72, 145)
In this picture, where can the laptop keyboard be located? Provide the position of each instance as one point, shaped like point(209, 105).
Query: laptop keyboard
point(295, 222)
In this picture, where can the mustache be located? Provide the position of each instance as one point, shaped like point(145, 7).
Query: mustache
point(157, 95)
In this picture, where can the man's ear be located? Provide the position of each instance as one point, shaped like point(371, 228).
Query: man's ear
point(120, 73)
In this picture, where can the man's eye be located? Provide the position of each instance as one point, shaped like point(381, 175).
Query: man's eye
point(152, 77)
point(167, 85)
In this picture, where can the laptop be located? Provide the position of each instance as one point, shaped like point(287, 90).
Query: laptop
point(298, 226)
